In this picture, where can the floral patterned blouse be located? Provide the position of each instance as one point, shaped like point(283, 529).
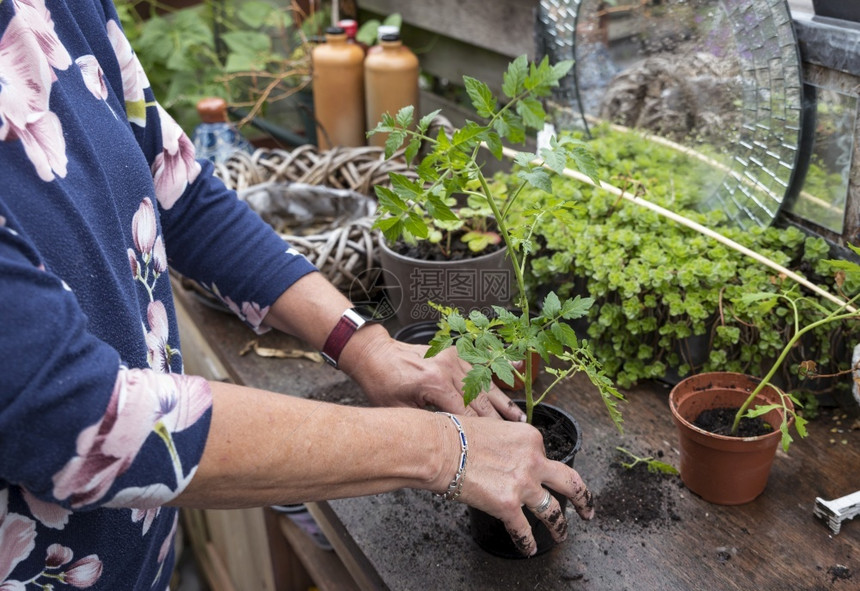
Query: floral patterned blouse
point(99, 192)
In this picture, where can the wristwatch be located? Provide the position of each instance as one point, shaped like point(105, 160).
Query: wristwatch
point(350, 321)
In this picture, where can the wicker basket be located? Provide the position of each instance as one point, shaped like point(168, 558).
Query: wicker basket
point(345, 254)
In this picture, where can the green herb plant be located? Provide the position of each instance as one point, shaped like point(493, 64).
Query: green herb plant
point(826, 315)
point(473, 227)
point(654, 466)
point(452, 168)
point(668, 299)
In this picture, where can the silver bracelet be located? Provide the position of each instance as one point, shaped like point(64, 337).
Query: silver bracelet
point(456, 486)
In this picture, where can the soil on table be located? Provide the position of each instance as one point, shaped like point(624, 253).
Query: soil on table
point(719, 421)
point(637, 497)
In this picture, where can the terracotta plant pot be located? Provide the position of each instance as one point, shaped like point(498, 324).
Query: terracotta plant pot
point(490, 533)
point(467, 284)
point(721, 469)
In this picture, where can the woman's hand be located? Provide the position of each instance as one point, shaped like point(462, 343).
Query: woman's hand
point(393, 373)
point(390, 372)
point(506, 470)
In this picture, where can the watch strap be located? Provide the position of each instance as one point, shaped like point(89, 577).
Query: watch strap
point(349, 322)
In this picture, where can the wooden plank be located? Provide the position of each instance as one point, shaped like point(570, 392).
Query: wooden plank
point(503, 26)
point(360, 569)
point(198, 358)
point(324, 566)
point(288, 567)
point(218, 577)
point(450, 59)
point(241, 540)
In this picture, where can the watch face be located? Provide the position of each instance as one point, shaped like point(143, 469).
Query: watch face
point(370, 313)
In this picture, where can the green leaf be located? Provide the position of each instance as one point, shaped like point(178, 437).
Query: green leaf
point(389, 201)
point(547, 342)
point(405, 116)
point(416, 225)
point(583, 160)
point(510, 127)
point(481, 96)
point(477, 380)
point(468, 134)
point(576, 308)
point(494, 143)
point(253, 13)
point(426, 120)
point(551, 305)
point(515, 76)
point(412, 150)
point(471, 354)
point(503, 370)
point(525, 159)
point(439, 343)
point(457, 322)
point(247, 42)
point(538, 178)
point(395, 19)
point(561, 69)
point(565, 334)
point(439, 210)
point(532, 112)
point(800, 425)
point(762, 410)
point(555, 159)
point(393, 142)
point(406, 188)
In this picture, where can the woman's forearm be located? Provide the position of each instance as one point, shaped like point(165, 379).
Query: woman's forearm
point(307, 450)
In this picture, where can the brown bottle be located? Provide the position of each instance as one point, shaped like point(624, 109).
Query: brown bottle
point(390, 82)
point(338, 84)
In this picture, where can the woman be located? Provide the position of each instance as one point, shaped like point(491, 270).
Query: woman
point(101, 435)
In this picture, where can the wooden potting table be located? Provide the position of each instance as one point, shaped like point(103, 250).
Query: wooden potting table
point(410, 540)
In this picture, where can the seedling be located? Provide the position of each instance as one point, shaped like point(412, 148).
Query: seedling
point(452, 168)
point(654, 466)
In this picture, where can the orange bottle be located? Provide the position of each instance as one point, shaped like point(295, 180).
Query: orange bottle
point(338, 84)
point(390, 82)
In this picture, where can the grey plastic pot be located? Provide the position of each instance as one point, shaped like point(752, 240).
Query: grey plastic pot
point(476, 283)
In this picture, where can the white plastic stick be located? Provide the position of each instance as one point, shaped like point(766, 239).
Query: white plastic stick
point(576, 175)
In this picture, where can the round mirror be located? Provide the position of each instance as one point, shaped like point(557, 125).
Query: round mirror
point(718, 80)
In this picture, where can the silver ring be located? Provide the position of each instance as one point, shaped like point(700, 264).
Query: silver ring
point(544, 504)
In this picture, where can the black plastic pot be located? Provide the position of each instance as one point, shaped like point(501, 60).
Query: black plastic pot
point(842, 9)
point(417, 333)
point(490, 533)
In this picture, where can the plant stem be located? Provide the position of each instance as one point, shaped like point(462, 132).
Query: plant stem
point(833, 316)
point(521, 286)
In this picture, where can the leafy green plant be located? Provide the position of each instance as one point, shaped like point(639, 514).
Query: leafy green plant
point(667, 298)
point(654, 466)
point(473, 227)
point(824, 316)
point(368, 31)
point(450, 168)
point(251, 53)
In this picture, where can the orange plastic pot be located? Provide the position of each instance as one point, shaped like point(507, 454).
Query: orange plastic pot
point(721, 469)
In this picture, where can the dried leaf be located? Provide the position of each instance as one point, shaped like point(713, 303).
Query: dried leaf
point(280, 353)
point(247, 348)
